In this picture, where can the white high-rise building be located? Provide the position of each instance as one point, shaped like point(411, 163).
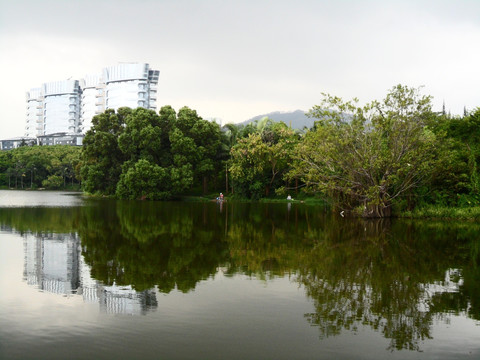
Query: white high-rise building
point(131, 85)
point(61, 107)
point(124, 85)
point(53, 108)
point(92, 99)
point(67, 107)
point(34, 125)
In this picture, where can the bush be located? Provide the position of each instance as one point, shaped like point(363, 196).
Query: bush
point(53, 182)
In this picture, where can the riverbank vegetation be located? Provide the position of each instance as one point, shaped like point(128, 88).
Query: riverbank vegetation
point(394, 156)
point(37, 167)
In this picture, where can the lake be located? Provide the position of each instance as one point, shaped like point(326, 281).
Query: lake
point(84, 278)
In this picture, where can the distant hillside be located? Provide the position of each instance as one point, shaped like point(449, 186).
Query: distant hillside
point(296, 119)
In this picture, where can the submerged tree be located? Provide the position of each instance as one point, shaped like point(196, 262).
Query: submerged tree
point(366, 157)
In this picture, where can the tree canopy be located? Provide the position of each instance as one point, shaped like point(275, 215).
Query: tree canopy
point(260, 160)
point(33, 167)
point(139, 154)
point(365, 157)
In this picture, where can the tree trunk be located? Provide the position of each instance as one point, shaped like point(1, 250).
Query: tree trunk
point(204, 185)
point(377, 211)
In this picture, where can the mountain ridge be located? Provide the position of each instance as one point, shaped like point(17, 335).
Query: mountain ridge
point(296, 119)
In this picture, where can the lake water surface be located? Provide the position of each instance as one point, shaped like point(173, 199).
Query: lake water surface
point(88, 278)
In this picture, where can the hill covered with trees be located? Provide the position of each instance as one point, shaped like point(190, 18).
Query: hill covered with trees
point(297, 119)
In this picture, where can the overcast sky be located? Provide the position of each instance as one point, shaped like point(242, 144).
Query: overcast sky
point(232, 60)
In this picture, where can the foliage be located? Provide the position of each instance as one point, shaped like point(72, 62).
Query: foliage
point(367, 157)
point(435, 211)
point(144, 180)
point(455, 179)
point(53, 182)
point(138, 154)
point(260, 160)
point(29, 166)
point(101, 156)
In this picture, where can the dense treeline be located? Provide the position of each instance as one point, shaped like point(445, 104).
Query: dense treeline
point(34, 167)
point(387, 156)
point(139, 154)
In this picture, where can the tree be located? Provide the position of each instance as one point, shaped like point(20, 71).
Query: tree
point(200, 143)
point(35, 164)
point(260, 160)
point(101, 156)
point(141, 138)
point(174, 150)
point(144, 180)
point(365, 158)
point(456, 178)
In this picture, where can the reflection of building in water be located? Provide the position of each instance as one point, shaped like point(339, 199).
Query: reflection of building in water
point(115, 299)
point(53, 262)
point(125, 300)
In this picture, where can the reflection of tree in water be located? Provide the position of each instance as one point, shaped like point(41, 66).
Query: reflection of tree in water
point(387, 276)
point(385, 280)
point(146, 244)
point(266, 241)
point(41, 219)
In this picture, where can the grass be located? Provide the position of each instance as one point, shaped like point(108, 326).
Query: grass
point(443, 212)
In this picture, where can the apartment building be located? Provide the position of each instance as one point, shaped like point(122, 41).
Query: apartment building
point(67, 107)
point(34, 125)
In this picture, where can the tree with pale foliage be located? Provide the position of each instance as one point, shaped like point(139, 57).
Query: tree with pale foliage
point(365, 158)
point(260, 160)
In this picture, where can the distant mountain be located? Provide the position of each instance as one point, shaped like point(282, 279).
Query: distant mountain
point(296, 119)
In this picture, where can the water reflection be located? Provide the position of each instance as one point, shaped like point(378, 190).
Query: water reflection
point(146, 245)
point(53, 263)
point(395, 277)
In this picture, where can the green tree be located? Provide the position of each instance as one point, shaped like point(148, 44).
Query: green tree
point(198, 142)
point(455, 178)
point(53, 182)
point(177, 151)
point(365, 158)
point(144, 180)
point(259, 161)
point(101, 157)
point(142, 136)
point(34, 164)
